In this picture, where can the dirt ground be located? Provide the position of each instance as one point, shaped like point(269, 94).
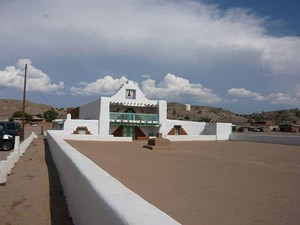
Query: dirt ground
point(211, 183)
point(33, 193)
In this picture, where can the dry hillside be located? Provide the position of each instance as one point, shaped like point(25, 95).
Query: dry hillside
point(279, 116)
point(9, 106)
point(202, 113)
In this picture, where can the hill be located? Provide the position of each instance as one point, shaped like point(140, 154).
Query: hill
point(9, 106)
point(202, 113)
point(277, 117)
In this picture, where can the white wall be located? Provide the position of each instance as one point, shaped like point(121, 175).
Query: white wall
point(82, 137)
point(149, 130)
point(121, 93)
point(275, 139)
point(90, 110)
point(223, 131)
point(94, 196)
point(71, 125)
point(104, 116)
point(191, 138)
point(192, 128)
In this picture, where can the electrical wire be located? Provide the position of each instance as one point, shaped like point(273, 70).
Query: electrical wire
point(47, 102)
point(6, 85)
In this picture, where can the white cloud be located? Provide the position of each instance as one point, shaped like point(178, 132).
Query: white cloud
point(172, 88)
point(181, 31)
point(241, 92)
point(189, 35)
point(274, 98)
point(146, 76)
point(13, 76)
point(104, 86)
point(175, 88)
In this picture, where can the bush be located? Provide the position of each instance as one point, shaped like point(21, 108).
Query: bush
point(50, 115)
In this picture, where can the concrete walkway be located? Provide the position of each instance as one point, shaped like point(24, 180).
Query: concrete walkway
point(33, 193)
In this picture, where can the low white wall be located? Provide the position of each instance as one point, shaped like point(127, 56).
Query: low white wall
point(82, 137)
point(95, 197)
point(223, 131)
point(192, 128)
point(276, 139)
point(71, 125)
point(18, 151)
point(191, 138)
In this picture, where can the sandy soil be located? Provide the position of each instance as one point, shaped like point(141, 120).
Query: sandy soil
point(209, 183)
point(33, 193)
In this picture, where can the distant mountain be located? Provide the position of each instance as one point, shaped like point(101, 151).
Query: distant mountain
point(277, 117)
point(9, 106)
point(202, 113)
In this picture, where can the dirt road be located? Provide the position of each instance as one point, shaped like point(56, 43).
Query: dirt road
point(33, 193)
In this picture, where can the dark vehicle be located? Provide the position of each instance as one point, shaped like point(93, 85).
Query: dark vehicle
point(12, 128)
point(6, 141)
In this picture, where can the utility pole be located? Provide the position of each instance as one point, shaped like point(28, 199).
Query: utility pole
point(24, 99)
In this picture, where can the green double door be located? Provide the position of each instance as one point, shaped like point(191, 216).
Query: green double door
point(129, 131)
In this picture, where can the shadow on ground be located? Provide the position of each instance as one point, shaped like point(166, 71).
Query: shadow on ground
point(58, 206)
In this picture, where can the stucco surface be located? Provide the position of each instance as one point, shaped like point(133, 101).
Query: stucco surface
point(209, 183)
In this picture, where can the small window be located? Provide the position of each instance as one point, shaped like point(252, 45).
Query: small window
point(130, 94)
point(177, 130)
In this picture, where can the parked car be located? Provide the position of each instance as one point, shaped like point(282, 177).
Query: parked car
point(12, 128)
point(7, 141)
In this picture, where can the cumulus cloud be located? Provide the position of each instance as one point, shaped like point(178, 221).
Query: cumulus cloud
point(172, 88)
point(13, 76)
point(175, 88)
point(274, 98)
point(241, 92)
point(103, 86)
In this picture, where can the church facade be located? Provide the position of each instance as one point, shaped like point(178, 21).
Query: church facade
point(130, 114)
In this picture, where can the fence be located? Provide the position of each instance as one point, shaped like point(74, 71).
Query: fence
point(19, 149)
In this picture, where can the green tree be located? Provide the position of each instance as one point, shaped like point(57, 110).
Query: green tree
point(50, 115)
point(39, 115)
point(205, 119)
point(19, 114)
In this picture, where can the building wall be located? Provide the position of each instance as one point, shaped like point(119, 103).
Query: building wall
point(90, 110)
point(71, 125)
point(149, 131)
point(223, 131)
point(190, 127)
point(104, 116)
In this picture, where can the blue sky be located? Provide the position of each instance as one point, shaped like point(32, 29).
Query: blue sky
point(240, 55)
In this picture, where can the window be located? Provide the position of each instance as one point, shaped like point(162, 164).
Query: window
point(177, 130)
point(130, 94)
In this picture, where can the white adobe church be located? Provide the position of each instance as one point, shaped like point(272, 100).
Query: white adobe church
point(129, 114)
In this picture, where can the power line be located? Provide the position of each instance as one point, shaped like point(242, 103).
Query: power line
point(39, 91)
point(6, 85)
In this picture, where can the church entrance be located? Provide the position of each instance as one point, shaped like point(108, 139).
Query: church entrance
point(129, 131)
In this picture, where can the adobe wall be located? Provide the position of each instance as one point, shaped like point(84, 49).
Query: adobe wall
point(94, 196)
